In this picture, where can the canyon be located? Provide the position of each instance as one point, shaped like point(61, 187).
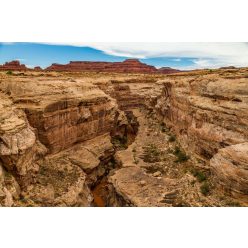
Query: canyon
point(112, 136)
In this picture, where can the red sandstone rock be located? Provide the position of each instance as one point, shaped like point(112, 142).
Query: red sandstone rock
point(128, 66)
point(37, 68)
point(13, 66)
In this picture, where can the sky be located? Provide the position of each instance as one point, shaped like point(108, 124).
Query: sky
point(185, 55)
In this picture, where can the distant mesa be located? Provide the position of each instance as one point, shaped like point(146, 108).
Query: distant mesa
point(14, 65)
point(127, 66)
point(37, 68)
point(167, 70)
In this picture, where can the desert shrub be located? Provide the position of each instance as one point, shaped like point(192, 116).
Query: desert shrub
point(181, 156)
point(120, 142)
point(172, 138)
point(201, 176)
point(151, 153)
point(9, 73)
point(205, 188)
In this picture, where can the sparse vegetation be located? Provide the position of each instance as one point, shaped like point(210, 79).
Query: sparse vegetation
point(120, 142)
point(201, 176)
point(151, 153)
point(9, 73)
point(181, 155)
point(205, 188)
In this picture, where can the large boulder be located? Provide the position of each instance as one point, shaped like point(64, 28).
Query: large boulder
point(230, 167)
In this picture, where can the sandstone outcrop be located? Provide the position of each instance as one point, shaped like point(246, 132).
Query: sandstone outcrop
point(207, 113)
point(63, 112)
point(167, 70)
point(72, 119)
point(230, 166)
point(127, 66)
point(37, 68)
point(19, 148)
point(13, 66)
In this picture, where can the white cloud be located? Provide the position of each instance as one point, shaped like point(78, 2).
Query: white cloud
point(21, 60)
point(30, 66)
point(177, 60)
point(210, 54)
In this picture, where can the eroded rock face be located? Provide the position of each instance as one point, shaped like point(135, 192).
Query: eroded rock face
point(64, 112)
point(230, 166)
point(207, 113)
point(127, 66)
point(13, 66)
point(19, 148)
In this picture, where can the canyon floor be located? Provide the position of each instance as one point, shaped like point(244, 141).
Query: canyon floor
point(118, 139)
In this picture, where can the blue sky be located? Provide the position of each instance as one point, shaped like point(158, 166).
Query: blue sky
point(176, 55)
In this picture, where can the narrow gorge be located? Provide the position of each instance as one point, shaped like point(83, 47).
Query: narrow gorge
point(114, 139)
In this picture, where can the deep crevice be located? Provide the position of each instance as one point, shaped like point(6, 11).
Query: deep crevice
point(104, 194)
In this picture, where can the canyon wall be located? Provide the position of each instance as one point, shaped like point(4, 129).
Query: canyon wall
point(209, 115)
point(207, 112)
point(41, 117)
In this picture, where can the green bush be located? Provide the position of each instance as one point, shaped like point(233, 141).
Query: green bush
point(151, 153)
point(9, 73)
point(201, 176)
point(181, 156)
point(205, 188)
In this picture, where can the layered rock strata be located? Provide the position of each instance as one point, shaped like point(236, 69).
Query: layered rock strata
point(64, 113)
point(13, 66)
point(127, 66)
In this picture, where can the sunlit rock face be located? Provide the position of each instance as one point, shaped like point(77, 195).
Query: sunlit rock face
point(64, 112)
point(19, 148)
point(230, 166)
point(13, 66)
point(207, 113)
point(127, 66)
